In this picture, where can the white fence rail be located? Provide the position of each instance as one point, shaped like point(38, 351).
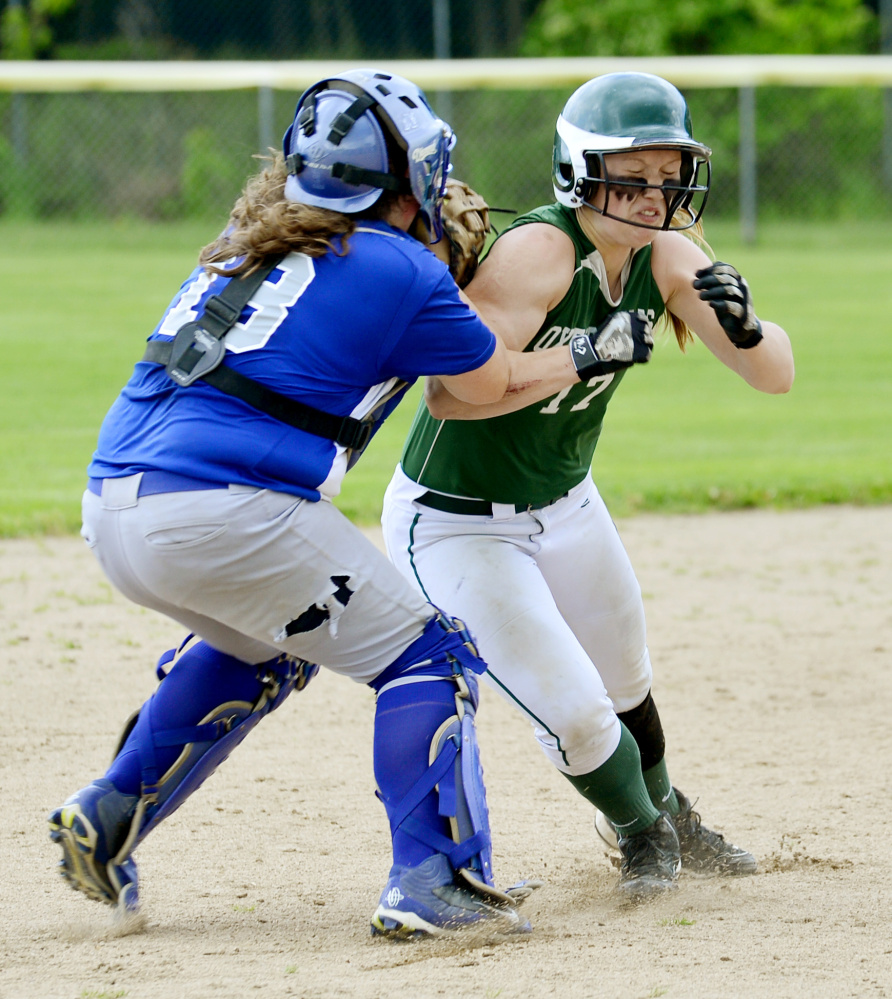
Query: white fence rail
point(451, 74)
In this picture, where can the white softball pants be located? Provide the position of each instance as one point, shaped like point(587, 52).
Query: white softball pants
point(550, 596)
point(250, 570)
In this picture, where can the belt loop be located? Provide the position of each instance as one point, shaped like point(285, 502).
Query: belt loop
point(121, 494)
point(504, 511)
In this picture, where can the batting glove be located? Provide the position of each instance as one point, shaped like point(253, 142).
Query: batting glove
point(729, 295)
point(623, 339)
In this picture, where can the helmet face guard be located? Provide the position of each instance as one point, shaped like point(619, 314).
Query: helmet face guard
point(429, 168)
point(628, 112)
point(335, 151)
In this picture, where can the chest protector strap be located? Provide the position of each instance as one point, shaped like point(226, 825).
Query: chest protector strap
point(197, 351)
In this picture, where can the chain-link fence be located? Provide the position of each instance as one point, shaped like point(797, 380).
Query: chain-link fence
point(818, 151)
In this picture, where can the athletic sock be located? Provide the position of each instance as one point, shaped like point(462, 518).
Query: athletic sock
point(617, 788)
point(660, 788)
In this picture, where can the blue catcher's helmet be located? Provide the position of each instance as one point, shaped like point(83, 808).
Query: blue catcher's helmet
point(336, 148)
point(622, 112)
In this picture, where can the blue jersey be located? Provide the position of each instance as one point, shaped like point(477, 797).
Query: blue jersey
point(340, 332)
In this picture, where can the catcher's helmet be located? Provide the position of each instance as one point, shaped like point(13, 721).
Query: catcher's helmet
point(336, 149)
point(622, 112)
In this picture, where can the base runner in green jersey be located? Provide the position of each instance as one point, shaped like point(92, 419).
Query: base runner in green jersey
point(493, 512)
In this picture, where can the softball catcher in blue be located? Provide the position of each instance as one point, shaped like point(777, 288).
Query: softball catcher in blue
point(209, 501)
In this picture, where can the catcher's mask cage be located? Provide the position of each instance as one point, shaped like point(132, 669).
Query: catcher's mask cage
point(621, 113)
point(336, 148)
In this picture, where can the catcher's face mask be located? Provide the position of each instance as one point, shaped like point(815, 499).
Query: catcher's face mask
point(343, 147)
point(428, 172)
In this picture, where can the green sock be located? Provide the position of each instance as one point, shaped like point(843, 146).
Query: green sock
point(660, 788)
point(617, 787)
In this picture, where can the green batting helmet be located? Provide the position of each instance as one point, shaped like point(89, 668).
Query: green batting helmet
point(622, 112)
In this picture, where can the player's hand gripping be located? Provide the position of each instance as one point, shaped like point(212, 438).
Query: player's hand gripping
point(729, 295)
point(623, 339)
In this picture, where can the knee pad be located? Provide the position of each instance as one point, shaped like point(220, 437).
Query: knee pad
point(445, 653)
point(203, 745)
point(644, 724)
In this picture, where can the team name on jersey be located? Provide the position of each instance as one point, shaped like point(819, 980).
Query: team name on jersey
point(557, 336)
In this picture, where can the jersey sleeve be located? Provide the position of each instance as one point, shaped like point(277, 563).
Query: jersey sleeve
point(443, 336)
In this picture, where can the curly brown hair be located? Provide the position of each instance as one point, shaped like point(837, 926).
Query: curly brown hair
point(264, 224)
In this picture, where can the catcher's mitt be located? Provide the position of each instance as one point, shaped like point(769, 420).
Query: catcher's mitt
point(465, 228)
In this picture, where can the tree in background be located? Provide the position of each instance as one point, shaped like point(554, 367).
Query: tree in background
point(700, 27)
point(25, 31)
point(284, 29)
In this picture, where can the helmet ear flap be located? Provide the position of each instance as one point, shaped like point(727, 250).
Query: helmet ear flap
point(595, 168)
point(595, 173)
point(562, 166)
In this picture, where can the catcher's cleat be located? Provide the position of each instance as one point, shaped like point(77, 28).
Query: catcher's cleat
point(651, 861)
point(430, 899)
point(92, 826)
point(704, 851)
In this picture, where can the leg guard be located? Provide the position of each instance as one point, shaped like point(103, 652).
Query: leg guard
point(427, 762)
point(170, 747)
point(202, 746)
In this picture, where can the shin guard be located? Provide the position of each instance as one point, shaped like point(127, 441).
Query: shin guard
point(205, 743)
point(427, 761)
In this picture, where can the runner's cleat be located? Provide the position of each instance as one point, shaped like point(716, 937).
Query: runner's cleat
point(651, 861)
point(704, 851)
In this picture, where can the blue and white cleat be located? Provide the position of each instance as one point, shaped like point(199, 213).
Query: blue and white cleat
point(93, 827)
point(431, 899)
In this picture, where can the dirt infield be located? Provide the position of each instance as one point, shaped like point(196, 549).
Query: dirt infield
point(771, 635)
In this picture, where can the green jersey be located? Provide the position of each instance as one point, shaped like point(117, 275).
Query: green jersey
point(540, 452)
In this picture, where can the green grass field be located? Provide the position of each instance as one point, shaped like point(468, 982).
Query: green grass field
point(683, 434)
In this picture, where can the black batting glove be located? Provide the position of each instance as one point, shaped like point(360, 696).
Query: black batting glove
point(623, 339)
point(729, 295)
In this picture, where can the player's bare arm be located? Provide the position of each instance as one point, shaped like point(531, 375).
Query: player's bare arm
point(527, 272)
point(767, 366)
